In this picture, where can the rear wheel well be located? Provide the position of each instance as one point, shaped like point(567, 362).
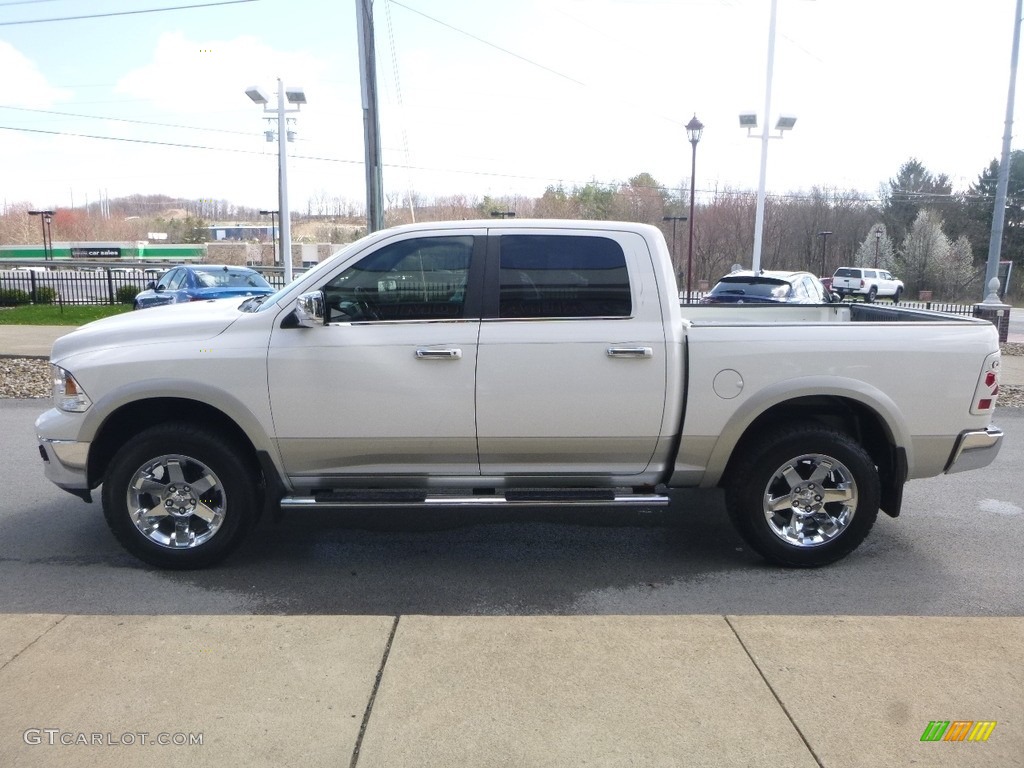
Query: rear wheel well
point(853, 418)
point(130, 419)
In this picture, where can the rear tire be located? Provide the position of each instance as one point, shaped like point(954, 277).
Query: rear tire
point(803, 497)
point(179, 496)
point(872, 293)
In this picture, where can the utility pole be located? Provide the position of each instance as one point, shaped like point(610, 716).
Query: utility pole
point(999, 213)
point(371, 124)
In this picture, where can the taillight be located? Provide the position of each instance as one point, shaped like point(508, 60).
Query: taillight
point(862, 283)
point(987, 391)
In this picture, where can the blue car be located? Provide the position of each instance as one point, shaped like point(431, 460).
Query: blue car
point(201, 282)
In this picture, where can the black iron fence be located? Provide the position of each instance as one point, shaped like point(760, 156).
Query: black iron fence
point(45, 283)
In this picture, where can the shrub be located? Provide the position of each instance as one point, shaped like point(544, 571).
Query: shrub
point(46, 294)
point(126, 294)
point(13, 297)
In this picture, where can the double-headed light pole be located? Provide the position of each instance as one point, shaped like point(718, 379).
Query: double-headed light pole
point(296, 97)
point(748, 120)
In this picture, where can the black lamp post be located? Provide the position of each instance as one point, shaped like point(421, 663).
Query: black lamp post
point(273, 230)
point(675, 256)
point(878, 241)
point(694, 129)
point(824, 240)
point(45, 219)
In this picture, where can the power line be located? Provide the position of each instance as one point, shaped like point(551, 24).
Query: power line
point(122, 13)
point(126, 120)
point(531, 62)
point(462, 172)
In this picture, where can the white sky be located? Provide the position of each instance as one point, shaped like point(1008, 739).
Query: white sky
point(583, 90)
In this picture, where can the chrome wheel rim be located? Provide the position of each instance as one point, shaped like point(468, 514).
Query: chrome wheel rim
point(810, 500)
point(176, 501)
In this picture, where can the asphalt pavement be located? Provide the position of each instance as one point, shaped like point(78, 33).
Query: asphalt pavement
point(405, 689)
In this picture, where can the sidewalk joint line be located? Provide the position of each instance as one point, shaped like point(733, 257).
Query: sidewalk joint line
point(373, 694)
point(776, 695)
point(41, 636)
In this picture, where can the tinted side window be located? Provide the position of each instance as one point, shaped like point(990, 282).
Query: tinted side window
point(419, 279)
point(563, 276)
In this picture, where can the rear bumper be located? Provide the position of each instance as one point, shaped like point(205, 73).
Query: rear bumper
point(974, 449)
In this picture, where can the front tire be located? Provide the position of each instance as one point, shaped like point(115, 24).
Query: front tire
point(896, 296)
point(803, 497)
point(178, 496)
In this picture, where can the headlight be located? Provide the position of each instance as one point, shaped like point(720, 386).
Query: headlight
point(68, 394)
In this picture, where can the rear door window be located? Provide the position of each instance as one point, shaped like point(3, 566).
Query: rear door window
point(562, 276)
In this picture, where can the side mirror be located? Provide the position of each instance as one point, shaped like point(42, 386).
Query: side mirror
point(309, 309)
point(151, 285)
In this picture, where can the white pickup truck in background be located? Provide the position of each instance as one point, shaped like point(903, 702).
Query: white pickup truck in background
point(513, 362)
point(868, 283)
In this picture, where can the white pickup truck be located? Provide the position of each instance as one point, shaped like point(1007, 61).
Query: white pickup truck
point(869, 283)
point(512, 362)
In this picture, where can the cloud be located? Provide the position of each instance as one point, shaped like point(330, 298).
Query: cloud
point(24, 84)
point(210, 75)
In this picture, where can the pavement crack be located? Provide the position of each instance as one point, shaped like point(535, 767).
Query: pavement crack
point(42, 634)
point(785, 710)
point(373, 695)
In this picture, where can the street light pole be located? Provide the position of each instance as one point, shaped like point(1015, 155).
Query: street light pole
point(45, 219)
point(296, 97)
point(878, 243)
point(694, 130)
point(824, 241)
point(675, 255)
point(273, 231)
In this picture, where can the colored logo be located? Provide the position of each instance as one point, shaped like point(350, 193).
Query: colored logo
point(958, 730)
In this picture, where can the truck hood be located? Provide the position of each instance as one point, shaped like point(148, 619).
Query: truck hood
point(177, 322)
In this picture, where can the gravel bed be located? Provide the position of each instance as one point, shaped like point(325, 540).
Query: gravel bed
point(22, 377)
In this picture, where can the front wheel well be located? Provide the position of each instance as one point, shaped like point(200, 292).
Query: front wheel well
point(850, 417)
point(126, 422)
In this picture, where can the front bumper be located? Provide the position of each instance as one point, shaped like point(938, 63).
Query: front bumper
point(65, 463)
point(974, 449)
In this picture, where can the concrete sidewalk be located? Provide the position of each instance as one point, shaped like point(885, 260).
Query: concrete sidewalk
point(384, 691)
point(36, 341)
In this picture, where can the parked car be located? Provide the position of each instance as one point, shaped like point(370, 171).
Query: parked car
point(768, 287)
point(869, 283)
point(201, 282)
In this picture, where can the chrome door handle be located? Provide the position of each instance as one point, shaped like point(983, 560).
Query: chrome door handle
point(438, 354)
point(630, 352)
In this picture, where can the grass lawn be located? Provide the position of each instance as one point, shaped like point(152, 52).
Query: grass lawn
point(51, 314)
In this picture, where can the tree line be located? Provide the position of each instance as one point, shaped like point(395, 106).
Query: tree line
point(917, 226)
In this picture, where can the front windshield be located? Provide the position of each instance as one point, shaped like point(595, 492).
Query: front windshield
point(273, 298)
